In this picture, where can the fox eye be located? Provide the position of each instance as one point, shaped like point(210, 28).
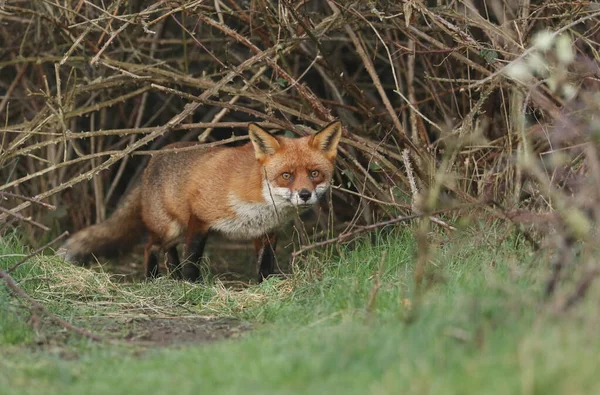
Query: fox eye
point(286, 176)
point(314, 174)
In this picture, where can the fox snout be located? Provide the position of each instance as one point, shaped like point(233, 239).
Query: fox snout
point(307, 197)
point(304, 195)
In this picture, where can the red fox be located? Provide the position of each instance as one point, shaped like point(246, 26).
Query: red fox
point(244, 192)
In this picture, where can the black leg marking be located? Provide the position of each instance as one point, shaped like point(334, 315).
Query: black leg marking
point(152, 269)
point(266, 258)
point(173, 261)
point(195, 248)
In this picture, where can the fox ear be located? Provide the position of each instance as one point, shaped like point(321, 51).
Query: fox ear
point(264, 144)
point(327, 139)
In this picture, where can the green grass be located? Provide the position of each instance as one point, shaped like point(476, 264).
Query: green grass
point(479, 328)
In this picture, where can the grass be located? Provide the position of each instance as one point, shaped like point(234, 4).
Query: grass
point(480, 327)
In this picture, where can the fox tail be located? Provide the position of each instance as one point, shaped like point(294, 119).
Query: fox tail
point(118, 234)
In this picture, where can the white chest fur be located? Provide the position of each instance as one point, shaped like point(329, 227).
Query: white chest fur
point(255, 219)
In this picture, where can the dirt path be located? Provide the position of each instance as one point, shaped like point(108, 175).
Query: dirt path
point(169, 331)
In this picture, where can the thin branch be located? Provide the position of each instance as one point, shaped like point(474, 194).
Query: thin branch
point(22, 218)
point(393, 221)
point(12, 285)
point(32, 200)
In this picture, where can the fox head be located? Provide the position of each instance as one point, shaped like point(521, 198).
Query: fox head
point(297, 172)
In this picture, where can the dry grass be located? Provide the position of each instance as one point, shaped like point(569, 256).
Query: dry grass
point(95, 293)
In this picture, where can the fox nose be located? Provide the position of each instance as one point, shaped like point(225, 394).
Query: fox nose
point(305, 194)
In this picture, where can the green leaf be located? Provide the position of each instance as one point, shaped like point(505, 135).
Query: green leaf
point(282, 82)
point(375, 166)
point(489, 55)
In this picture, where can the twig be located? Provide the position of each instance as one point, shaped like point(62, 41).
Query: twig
point(13, 85)
point(22, 218)
point(12, 285)
point(310, 97)
point(377, 225)
point(118, 31)
point(32, 200)
point(582, 288)
point(130, 131)
point(376, 81)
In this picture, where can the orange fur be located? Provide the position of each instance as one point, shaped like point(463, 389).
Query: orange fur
point(244, 192)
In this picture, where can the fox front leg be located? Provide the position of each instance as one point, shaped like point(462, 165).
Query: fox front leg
point(265, 252)
point(173, 261)
point(194, 250)
point(151, 268)
point(195, 240)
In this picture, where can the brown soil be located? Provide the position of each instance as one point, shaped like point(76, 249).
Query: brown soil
point(169, 331)
point(145, 333)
